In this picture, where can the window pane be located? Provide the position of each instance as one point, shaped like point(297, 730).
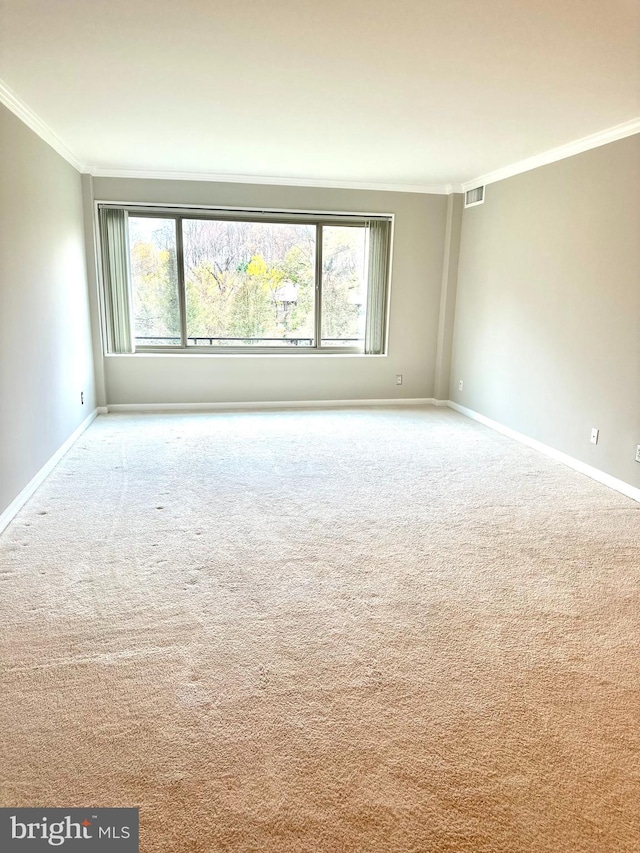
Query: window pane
point(344, 285)
point(249, 283)
point(154, 281)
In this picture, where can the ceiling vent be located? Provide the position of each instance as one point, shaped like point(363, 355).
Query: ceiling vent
point(473, 197)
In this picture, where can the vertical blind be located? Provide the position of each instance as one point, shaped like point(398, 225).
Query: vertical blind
point(378, 277)
point(117, 280)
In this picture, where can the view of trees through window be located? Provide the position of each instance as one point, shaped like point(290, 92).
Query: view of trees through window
point(249, 282)
point(154, 281)
point(246, 283)
point(344, 284)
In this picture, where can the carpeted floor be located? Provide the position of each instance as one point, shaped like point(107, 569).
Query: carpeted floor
point(329, 631)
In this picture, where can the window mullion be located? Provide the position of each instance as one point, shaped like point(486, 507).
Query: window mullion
point(182, 299)
point(318, 287)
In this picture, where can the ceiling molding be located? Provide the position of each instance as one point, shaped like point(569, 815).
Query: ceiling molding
point(18, 107)
point(595, 140)
point(443, 189)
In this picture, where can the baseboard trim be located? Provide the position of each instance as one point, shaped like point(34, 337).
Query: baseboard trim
point(588, 470)
point(16, 505)
point(258, 406)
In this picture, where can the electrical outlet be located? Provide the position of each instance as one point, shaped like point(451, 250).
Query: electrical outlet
point(595, 434)
point(398, 379)
point(82, 397)
point(460, 385)
point(638, 453)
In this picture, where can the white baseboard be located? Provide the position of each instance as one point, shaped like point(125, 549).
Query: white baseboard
point(440, 403)
point(257, 406)
point(16, 505)
point(582, 467)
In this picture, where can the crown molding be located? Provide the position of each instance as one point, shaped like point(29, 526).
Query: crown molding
point(586, 143)
point(18, 107)
point(221, 177)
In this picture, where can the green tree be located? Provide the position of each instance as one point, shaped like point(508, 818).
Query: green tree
point(154, 277)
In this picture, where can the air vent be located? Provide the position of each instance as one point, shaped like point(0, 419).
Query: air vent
point(473, 197)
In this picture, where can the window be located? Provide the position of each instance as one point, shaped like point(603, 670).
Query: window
point(153, 259)
point(344, 285)
point(249, 283)
point(225, 281)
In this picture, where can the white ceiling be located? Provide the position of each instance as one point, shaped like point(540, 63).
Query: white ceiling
point(403, 92)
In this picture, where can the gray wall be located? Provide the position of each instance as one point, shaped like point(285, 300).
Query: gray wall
point(547, 326)
point(415, 297)
point(45, 345)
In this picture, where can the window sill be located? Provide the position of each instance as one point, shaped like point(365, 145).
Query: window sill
point(180, 353)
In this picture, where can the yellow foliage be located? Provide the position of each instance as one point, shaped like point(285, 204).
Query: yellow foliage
point(270, 276)
point(257, 265)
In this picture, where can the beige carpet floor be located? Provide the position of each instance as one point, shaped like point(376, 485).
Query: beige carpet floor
point(327, 631)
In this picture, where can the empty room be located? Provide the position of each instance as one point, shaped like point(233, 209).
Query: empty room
point(320, 426)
